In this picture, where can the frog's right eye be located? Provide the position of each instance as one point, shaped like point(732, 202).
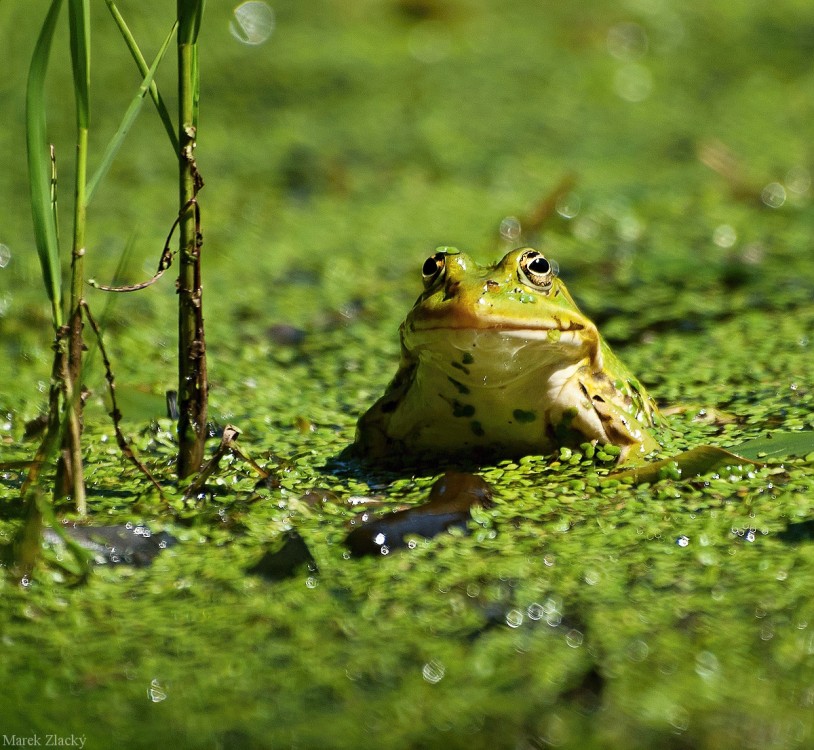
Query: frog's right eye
point(536, 271)
point(433, 268)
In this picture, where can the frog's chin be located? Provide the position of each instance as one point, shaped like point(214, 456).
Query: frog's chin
point(492, 357)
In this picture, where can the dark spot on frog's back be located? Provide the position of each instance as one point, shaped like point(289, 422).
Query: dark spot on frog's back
point(477, 428)
point(460, 387)
point(462, 410)
point(467, 358)
point(524, 416)
point(460, 367)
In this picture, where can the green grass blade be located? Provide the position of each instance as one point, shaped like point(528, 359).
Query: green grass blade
point(79, 21)
point(190, 14)
point(127, 121)
point(39, 165)
point(160, 106)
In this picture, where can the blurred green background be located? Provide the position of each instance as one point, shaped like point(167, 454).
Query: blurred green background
point(337, 155)
point(359, 136)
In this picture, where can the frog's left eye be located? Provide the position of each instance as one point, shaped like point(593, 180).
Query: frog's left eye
point(433, 268)
point(536, 270)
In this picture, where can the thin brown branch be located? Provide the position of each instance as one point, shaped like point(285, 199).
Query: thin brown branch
point(115, 413)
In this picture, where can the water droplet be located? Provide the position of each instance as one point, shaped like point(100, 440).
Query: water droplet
point(773, 195)
point(252, 22)
point(156, 692)
point(535, 611)
point(574, 638)
point(724, 236)
point(798, 180)
point(433, 671)
point(568, 205)
point(678, 717)
point(633, 82)
point(626, 41)
point(683, 541)
point(638, 650)
point(510, 228)
point(514, 618)
point(553, 619)
point(592, 577)
point(706, 665)
point(766, 632)
point(5, 255)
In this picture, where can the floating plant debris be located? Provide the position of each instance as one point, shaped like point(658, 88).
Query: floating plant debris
point(127, 544)
point(287, 561)
point(801, 531)
point(451, 498)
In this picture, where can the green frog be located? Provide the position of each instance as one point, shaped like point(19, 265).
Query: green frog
point(498, 361)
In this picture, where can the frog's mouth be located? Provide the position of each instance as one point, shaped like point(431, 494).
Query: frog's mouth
point(553, 332)
point(564, 333)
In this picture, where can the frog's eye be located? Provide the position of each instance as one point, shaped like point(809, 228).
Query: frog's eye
point(433, 268)
point(536, 271)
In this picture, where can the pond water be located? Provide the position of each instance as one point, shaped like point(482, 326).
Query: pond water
point(338, 152)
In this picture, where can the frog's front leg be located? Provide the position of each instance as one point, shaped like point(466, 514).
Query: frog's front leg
point(589, 404)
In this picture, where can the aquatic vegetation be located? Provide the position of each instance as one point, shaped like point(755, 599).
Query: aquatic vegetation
point(63, 425)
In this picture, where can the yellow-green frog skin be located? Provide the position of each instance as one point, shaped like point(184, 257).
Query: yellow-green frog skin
point(498, 361)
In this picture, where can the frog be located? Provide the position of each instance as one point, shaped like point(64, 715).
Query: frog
point(498, 361)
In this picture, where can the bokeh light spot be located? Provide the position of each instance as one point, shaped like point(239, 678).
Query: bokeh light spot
point(252, 22)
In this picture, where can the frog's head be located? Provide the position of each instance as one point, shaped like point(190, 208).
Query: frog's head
point(519, 298)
